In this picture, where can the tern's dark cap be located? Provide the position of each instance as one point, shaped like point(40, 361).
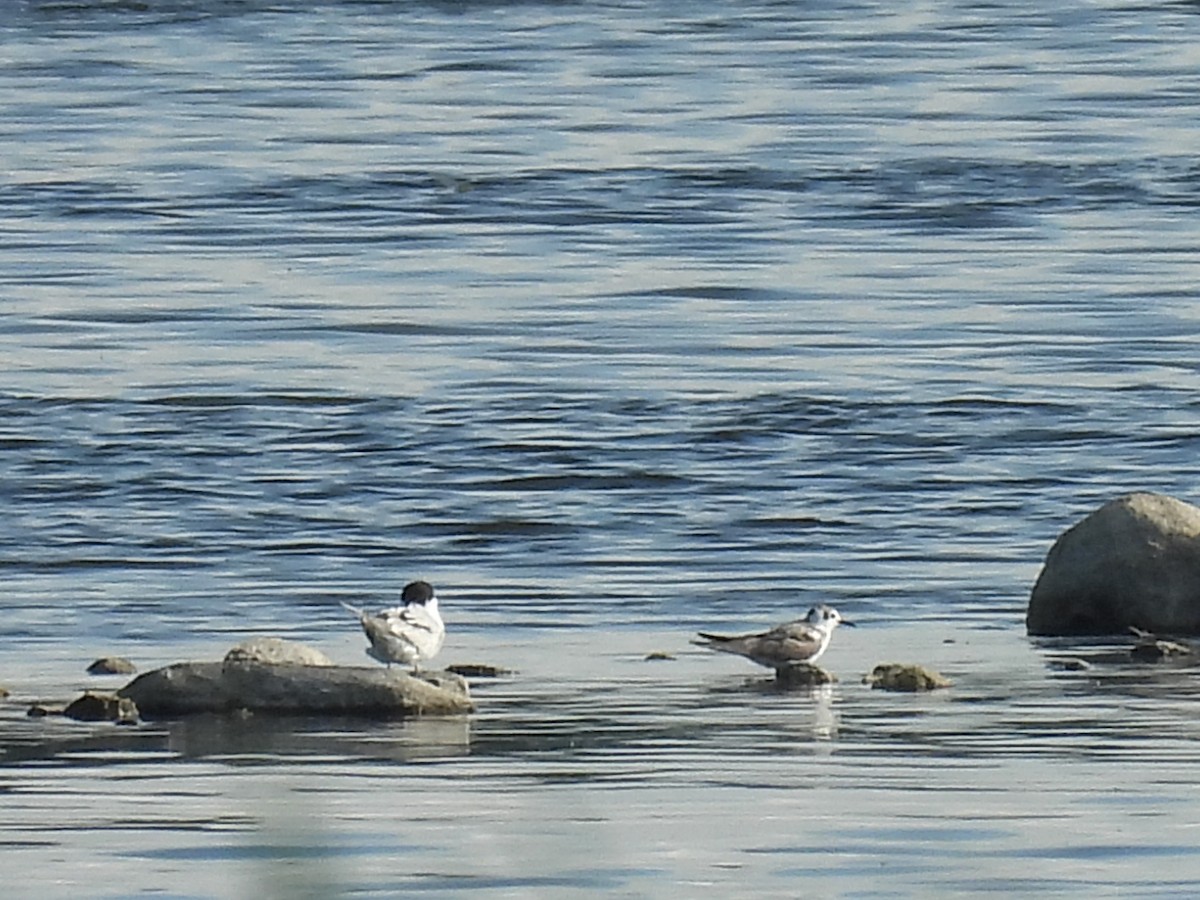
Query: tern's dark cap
point(824, 613)
point(417, 592)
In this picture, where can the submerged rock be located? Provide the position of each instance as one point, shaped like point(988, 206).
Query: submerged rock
point(1070, 664)
point(1133, 562)
point(803, 675)
point(94, 706)
point(90, 706)
point(478, 670)
point(1150, 648)
point(905, 677)
point(243, 681)
point(112, 665)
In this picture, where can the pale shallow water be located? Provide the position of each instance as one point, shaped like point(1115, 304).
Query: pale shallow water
point(594, 770)
point(616, 322)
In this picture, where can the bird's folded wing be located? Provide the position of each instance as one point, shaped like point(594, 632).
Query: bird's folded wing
point(797, 642)
point(379, 630)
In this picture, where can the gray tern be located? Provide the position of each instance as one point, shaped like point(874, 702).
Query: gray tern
point(802, 641)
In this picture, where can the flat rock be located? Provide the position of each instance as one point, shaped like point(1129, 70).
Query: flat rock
point(1134, 562)
point(289, 688)
point(907, 677)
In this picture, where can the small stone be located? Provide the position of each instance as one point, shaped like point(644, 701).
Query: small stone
point(94, 706)
point(478, 670)
point(803, 675)
point(905, 677)
point(1071, 664)
point(41, 710)
point(112, 665)
point(660, 656)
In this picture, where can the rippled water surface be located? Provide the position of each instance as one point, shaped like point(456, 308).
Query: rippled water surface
point(614, 321)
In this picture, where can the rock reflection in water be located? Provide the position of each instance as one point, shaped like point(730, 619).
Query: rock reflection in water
point(284, 736)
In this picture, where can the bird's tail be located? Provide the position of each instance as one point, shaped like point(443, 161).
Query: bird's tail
point(358, 613)
point(716, 641)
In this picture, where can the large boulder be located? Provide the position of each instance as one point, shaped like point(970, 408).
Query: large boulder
point(1134, 562)
point(251, 677)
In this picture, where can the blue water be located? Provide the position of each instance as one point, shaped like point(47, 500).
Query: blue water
point(614, 321)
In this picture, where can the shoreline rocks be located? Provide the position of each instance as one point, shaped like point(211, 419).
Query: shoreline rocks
point(271, 676)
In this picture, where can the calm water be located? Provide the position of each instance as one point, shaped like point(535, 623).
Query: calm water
point(614, 321)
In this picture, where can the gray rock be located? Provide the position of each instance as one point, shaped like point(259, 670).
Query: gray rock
point(277, 651)
point(94, 706)
point(1133, 562)
point(288, 688)
point(803, 675)
point(112, 665)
